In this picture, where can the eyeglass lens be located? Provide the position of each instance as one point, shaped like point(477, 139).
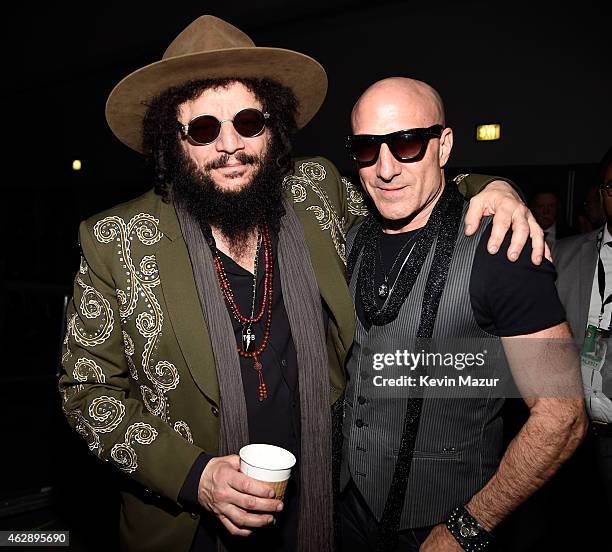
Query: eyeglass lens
point(206, 128)
point(406, 146)
point(403, 146)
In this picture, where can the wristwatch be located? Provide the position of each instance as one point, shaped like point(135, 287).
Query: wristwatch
point(472, 536)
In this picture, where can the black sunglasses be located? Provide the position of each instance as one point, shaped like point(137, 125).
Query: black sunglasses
point(405, 145)
point(205, 129)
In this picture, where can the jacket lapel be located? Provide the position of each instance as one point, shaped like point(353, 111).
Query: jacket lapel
point(183, 305)
point(587, 266)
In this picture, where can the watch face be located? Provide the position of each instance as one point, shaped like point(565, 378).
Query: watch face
point(466, 530)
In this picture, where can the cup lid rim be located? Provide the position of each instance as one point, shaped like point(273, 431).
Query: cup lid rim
point(290, 457)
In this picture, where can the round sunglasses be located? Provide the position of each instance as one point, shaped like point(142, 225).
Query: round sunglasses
point(204, 129)
point(406, 145)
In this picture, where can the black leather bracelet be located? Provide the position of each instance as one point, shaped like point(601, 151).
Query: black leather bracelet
point(472, 536)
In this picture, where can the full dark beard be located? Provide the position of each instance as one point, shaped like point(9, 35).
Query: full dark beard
point(236, 214)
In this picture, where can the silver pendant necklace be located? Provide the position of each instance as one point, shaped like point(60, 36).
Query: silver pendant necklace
point(248, 336)
point(383, 289)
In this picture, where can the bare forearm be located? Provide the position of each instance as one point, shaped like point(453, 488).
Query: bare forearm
point(544, 443)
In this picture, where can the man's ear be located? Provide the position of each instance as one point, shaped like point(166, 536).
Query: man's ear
point(446, 145)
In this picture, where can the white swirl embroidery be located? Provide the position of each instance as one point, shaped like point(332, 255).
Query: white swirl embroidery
point(84, 368)
point(183, 430)
point(310, 174)
point(155, 402)
point(354, 199)
point(129, 353)
point(142, 278)
point(85, 430)
point(92, 305)
point(459, 178)
point(83, 268)
point(108, 412)
point(67, 353)
point(124, 454)
point(144, 226)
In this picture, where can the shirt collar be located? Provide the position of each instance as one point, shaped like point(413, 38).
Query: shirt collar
point(551, 232)
point(607, 237)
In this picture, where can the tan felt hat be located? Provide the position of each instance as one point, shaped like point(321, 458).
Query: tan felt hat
point(212, 48)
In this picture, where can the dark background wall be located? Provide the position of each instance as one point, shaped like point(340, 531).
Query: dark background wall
point(540, 69)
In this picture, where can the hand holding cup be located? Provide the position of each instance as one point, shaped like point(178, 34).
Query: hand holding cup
point(269, 464)
point(240, 502)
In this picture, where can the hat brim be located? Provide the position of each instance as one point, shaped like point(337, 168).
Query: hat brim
point(127, 103)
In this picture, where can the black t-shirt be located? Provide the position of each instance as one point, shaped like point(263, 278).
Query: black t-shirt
point(508, 298)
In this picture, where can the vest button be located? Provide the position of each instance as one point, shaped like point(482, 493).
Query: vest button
point(366, 351)
point(359, 423)
point(361, 400)
point(215, 411)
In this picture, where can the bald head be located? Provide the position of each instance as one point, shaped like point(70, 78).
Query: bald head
point(403, 182)
point(398, 97)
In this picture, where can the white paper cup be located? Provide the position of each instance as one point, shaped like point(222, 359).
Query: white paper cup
point(269, 464)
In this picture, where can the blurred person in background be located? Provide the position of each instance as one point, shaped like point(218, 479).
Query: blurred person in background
point(592, 215)
point(584, 267)
point(547, 210)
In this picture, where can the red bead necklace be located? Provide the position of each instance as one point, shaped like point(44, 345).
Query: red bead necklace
point(266, 305)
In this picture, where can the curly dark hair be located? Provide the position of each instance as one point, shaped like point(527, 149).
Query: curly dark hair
point(160, 131)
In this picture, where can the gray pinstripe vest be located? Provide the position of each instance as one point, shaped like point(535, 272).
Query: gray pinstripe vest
point(459, 442)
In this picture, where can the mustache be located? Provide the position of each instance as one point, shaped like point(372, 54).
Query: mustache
point(241, 156)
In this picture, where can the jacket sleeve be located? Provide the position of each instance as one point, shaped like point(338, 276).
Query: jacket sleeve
point(98, 400)
point(355, 208)
point(472, 184)
point(352, 202)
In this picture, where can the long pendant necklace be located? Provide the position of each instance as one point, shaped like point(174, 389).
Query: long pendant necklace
point(248, 337)
point(383, 289)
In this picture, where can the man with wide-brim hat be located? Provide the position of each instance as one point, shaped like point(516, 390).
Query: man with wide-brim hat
point(212, 47)
point(212, 311)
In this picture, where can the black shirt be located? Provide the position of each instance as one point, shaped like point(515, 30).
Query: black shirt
point(508, 298)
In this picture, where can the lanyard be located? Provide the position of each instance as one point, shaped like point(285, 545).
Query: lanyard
point(601, 278)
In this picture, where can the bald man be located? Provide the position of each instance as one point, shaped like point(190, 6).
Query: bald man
point(423, 464)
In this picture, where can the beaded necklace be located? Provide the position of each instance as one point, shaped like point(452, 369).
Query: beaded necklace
point(266, 306)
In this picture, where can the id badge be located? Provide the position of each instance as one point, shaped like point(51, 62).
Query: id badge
point(594, 348)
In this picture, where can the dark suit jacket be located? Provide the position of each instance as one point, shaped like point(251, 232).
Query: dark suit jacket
point(576, 259)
